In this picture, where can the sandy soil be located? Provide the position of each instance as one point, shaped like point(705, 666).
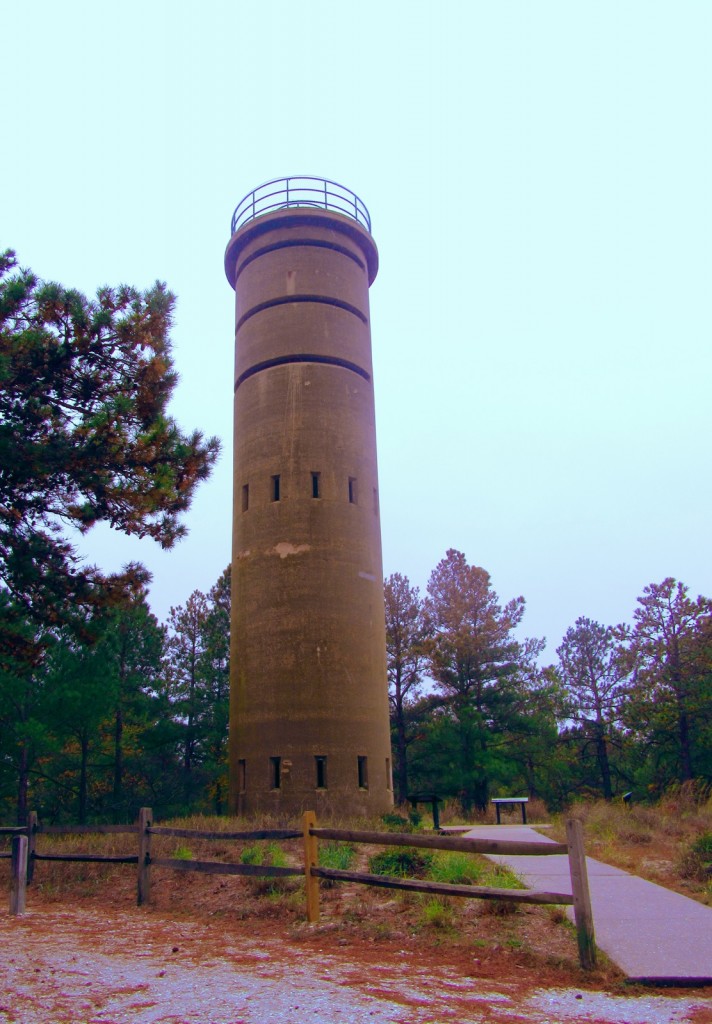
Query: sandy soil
point(97, 964)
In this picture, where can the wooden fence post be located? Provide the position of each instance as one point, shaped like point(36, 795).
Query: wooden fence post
point(32, 824)
point(311, 858)
point(18, 881)
point(581, 894)
point(145, 821)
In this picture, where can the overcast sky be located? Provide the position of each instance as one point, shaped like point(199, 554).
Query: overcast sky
point(538, 176)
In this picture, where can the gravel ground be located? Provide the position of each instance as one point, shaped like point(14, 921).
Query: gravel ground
point(62, 964)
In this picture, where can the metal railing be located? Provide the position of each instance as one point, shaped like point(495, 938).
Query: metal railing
point(300, 190)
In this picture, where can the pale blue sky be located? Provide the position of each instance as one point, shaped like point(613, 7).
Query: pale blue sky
point(538, 176)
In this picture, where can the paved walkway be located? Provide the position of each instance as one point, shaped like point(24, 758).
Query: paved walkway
point(653, 934)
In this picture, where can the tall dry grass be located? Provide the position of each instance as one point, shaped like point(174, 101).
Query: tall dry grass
point(653, 840)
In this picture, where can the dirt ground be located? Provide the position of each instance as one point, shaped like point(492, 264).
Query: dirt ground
point(98, 959)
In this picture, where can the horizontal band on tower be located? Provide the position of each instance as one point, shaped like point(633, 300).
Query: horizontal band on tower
point(301, 242)
point(343, 364)
point(285, 299)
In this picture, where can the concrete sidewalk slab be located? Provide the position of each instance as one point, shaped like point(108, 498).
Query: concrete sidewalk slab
point(651, 933)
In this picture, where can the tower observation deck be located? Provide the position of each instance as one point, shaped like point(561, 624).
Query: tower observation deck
point(309, 698)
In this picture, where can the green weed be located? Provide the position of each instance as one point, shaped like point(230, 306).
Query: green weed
point(696, 861)
point(455, 868)
point(401, 862)
point(438, 913)
point(336, 856)
point(396, 823)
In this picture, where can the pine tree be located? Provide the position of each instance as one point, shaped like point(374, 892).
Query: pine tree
point(84, 437)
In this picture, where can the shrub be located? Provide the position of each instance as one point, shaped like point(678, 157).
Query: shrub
point(696, 862)
point(251, 855)
point(182, 853)
point(396, 823)
point(401, 862)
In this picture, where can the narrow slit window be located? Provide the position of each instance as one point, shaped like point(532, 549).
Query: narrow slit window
point(353, 490)
point(320, 765)
point(275, 488)
point(316, 485)
point(362, 772)
point(275, 772)
point(242, 774)
point(245, 497)
point(389, 776)
point(375, 501)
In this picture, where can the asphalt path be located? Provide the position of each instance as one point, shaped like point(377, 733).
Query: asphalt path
point(653, 934)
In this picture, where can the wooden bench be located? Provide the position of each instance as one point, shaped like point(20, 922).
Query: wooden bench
point(511, 801)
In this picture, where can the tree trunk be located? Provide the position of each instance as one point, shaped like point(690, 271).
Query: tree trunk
point(118, 763)
point(23, 784)
point(402, 756)
point(475, 785)
point(218, 798)
point(603, 762)
point(686, 772)
point(83, 780)
point(530, 771)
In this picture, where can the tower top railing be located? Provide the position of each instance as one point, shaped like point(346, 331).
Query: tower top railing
point(300, 190)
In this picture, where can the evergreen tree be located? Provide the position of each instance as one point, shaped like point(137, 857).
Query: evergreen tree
point(593, 675)
point(197, 685)
point(669, 710)
point(84, 437)
point(406, 633)
point(482, 671)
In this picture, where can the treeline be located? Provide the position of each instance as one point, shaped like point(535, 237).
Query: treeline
point(121, 713)
point(100, 707)
point(474, 714)
point(127, 711)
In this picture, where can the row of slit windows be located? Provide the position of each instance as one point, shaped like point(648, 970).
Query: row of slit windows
point(276, 491)
point(278, 768)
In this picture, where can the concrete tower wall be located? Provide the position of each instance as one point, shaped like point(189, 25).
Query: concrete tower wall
point(309, 707)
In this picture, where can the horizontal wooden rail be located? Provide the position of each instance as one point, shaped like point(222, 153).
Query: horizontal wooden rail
point(430, 842)
point(445, 888)
point(89, 858)
point(312, 873)
point(20, 830)
point(573, 849)
point(190, 833)
point(86, 830)
point(211, 867)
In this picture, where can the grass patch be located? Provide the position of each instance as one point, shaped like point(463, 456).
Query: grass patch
point(455, 868)
point(654, 840)
point(269, 854)
point(438, 914)
point(396, 823)
point(401, 862)
point(337, 856)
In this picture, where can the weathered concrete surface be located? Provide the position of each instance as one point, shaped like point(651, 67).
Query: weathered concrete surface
point(651, 933)
point(309, 725)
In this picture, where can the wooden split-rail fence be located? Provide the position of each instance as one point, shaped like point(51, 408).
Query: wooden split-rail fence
point(25, 855)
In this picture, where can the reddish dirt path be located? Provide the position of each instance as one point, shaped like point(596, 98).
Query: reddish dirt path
point(63, 964)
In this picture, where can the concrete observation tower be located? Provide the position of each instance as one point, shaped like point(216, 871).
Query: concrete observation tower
point(309, 697)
